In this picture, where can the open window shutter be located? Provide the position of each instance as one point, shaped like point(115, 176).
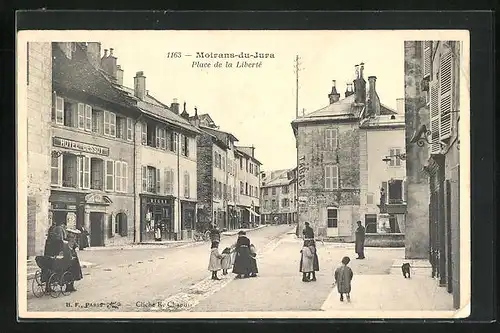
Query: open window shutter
point(118, 173)
point(88, 118)
point(445, 94)
point(59, 170)
point(403, 190)
point(144, 179)
point(106, 123)
point(327, 138)
point(427, 58)
point(81, 116)
point(397, 160)
point(166, 179)
point(335, 138)
point(328, 177)
point(158, 182)
point(434, 122)
point(54, 106)
point(385, 186)
point(157, 137)
point(79, 171)
point(86, 172)
point(124, 177)
point(144, 133)
point(391, 154)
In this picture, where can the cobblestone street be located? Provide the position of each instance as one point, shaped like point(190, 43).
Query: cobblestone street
point(176, 279)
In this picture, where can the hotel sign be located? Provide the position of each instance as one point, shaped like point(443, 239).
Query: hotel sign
point(80, 146)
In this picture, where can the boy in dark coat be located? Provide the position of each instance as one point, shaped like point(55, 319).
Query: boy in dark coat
point(343, 278)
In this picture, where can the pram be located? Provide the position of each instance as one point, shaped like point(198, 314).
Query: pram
point(52, 277)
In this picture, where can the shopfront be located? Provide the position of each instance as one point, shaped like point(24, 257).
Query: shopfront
point(188, 218)
point(67, 208)
point(157, 218)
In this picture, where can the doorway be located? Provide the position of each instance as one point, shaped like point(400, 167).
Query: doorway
point(96, 229)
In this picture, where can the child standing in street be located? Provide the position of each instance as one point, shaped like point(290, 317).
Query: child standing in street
point(226, 260)
point(215, 262)
point(343, 278)
point(306, 261)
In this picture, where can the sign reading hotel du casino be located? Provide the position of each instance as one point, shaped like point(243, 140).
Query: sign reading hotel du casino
point(80, 146)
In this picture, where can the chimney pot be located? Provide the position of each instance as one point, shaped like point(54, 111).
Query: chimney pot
point(140, 85)
point(334, 83)
point(174, 106)
point(105, 53)
point(111, 51)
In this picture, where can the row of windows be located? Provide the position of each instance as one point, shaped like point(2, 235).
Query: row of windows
point(284, 190)
point(85, 117)
point(249, 190)
point(83, 172)
point(249, 166)
point(223, 191)
point(160, 137)
point(273, 204)
point(152, 181)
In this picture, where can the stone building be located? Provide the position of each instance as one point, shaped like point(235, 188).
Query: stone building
point(217, 175)
point(92, 168)
point(336, 155)
point(39, 126)
point(278, 196)
point(432, 74)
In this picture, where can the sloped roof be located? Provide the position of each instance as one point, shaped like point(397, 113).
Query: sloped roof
point(385, 110)
point(344, 107)
point(221, 135)
point(77, 74)
point(247, 151)
point(388, 120)
point(165, 114)
point(276, 178)
point(147, 98)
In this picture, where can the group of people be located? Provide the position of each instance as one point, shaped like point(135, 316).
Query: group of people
point(62, 242)
point(309, 262)
point(241, 256)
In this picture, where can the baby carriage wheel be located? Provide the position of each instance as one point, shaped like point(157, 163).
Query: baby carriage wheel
point(37, 286)
point(66, 278)
point(55, 288)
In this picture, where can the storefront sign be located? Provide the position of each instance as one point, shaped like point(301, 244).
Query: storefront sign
point(303, 168)
point(80, 146)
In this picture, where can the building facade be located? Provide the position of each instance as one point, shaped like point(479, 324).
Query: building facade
point(39, 126)
point(338, 146)
point(278, 195)
point(248, 175)
point(432, 108)
point(92, 168)
point(216, 175)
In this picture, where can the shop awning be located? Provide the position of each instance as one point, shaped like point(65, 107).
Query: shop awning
point(252, 212)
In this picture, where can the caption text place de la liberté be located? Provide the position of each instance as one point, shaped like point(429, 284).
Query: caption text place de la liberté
point(227, 60)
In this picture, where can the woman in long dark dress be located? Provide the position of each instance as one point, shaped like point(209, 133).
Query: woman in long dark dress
point(71, 260)
point(242, 262)
point(360, 241)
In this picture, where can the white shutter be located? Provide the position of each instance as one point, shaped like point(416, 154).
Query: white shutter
point(124, 177)
point(81, 116)
point(88, 118)
point(144, 133)
point(335, 138)
point(391, 155)
point(79, 171)
point(59, 110)
point(118, 176)
point(403, 190)
point(110, 172)
point(427, 58)
point(166, 176)
point(106, 123)
point(335, 175)
point(86, 172)
point(158, 182)
point(434, 121)
point(144, 179)
point(385, 186)
point(328, 177)
point(327, 138)
point(60, 169)
point(112, 124)
point(445, 95)
point(130, 129)
point(157, 137)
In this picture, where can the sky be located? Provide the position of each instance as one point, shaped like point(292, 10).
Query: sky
point(258, 104)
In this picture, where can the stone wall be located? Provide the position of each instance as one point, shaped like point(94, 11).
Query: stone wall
point(205, 178)
point(313, 155)
point(416, 114)
point(39, 103)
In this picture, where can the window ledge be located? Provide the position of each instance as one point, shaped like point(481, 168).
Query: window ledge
point(91, 134)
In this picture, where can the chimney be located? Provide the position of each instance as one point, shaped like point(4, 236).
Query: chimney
point(334, 96)
point(108, 63)
point(348, 90)
point(374, 101)
point(184, 113)
point(400, 104)
point(175, 106)
point(140, 85)
point(94, 53)
point(119, 75)
point(360, 85)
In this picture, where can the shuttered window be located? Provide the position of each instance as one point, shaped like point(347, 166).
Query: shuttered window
point(59, 110)
point(169, 181)
point(331, 177)
point(81, 116)
point(427, 58)
point(158, 182)
point(445, 95)
point(110, 172)
point(434, 121)
point(88, 118)
point(385, 186)
point(85, 172)
point(144, 133)
point(186, 185)
point(331, 139)
point(144, 179)
point(130, 129)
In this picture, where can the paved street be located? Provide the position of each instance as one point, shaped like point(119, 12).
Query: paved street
point(176, 279)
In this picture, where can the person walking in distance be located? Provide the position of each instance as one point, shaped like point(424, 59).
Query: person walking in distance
point(360, 241)
point(343, 278)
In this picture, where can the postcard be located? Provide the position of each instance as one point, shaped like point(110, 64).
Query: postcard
point(243, 174)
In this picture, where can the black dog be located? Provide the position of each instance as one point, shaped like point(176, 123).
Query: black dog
point(405, 268)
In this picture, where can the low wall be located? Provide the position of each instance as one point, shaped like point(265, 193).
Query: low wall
point(373, 240)
point(385, 240)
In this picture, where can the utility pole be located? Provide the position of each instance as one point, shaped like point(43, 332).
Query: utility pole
point(297, 70)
